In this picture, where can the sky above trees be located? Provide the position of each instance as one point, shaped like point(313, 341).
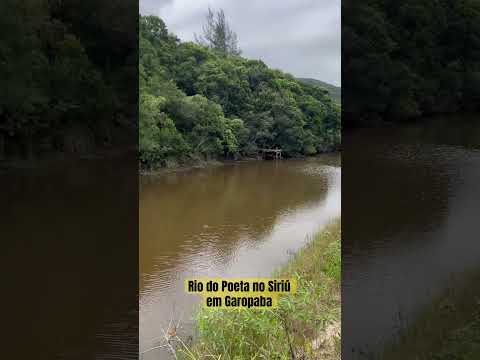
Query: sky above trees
point(301, 37)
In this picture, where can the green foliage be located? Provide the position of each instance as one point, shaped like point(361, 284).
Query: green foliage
point(58, 73)
point(446, 328)
point(335, 92)
point(217, 34)
point(333, 260)
point(226, 107)
point(160, 138)
point(404, 59)
point(464, 343)
point(300, 322)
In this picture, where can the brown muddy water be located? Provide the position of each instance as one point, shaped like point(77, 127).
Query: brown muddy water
point(237, 220)
point(411, 225)
point(70, 259)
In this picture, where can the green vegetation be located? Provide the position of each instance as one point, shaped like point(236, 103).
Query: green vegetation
point(334, 91)
point(448, 328)
point(463, 343)
point(65, 76)
point(217, 34)
point(405, 59)
point(208, 103)
point(306, 325)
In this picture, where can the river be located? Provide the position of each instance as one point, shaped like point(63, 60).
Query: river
point(237, 220)
point(69, 231)
point(410, 224)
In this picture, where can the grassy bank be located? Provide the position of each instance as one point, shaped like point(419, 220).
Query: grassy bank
point(462, 343)
point(306, 325)
point(447, 329)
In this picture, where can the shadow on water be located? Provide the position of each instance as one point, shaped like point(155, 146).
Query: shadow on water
point(412, 218)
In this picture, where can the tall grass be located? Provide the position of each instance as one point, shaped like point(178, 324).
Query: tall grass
point(306, 325)
point(447, 329)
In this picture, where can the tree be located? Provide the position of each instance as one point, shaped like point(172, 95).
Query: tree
point(65, 77)
point(199, 103)
point(406, 59)
point(218, 35)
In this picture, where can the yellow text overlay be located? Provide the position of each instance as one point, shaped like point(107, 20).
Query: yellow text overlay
point(245, 293)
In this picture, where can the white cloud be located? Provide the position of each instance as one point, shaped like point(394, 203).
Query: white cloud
point(297, 36)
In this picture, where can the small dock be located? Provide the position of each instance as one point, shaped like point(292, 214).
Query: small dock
point(270, 154)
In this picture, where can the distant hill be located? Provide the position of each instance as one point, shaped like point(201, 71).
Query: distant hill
point(335, 91)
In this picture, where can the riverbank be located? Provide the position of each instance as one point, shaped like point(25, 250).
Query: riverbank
point(448, 328)
point(463, 343)
point(182, 167)
point(179, 167)
point(65, 159)
point(305, 324)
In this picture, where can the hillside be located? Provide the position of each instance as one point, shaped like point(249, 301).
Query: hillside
point(334, 91)
point(198, 103)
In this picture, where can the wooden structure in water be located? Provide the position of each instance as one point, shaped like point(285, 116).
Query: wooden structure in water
point(270, 154)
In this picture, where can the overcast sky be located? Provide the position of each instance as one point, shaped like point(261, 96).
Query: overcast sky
point(301, 37)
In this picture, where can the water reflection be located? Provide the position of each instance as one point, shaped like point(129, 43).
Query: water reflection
point(69, 255)
point(235, 220)
point(412, 215)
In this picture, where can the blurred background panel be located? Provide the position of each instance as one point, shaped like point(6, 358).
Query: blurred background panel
point(69, 179)
point(411, 160)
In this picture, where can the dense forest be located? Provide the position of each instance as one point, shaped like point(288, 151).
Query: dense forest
point(406, 59)
point(67, 70)
point(334, 91)
point(202, 101)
